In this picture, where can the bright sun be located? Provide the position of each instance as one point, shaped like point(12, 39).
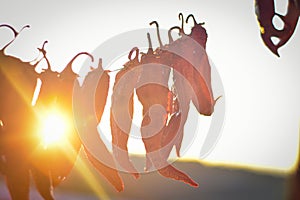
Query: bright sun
point(54, 127)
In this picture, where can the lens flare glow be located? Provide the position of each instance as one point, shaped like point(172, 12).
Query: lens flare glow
point(54, 128)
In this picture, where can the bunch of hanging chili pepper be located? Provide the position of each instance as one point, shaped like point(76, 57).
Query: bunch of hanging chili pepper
point(164, 111)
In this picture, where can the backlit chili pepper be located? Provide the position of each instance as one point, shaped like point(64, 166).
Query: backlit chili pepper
point(156, 68)
point(121, 113)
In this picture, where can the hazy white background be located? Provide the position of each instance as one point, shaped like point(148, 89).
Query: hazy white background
point(262, 91)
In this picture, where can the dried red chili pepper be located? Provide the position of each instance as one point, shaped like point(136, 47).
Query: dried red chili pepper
point(121, 113)
point(173, 133)
point(152, 72)
point(195, 67)
point(17, 80)
point(51, 165)
point(87, 124)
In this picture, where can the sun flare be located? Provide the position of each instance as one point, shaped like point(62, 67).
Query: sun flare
point(54, 128)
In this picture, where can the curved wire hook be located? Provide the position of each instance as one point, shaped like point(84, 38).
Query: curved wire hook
point(180, 16)
point(195, 22)
point(68, 69)
point(157, 32)
point(170, 35)
point(136, 50)
point(16, 33)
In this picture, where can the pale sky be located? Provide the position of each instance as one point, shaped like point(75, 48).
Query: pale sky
point(262, 91)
